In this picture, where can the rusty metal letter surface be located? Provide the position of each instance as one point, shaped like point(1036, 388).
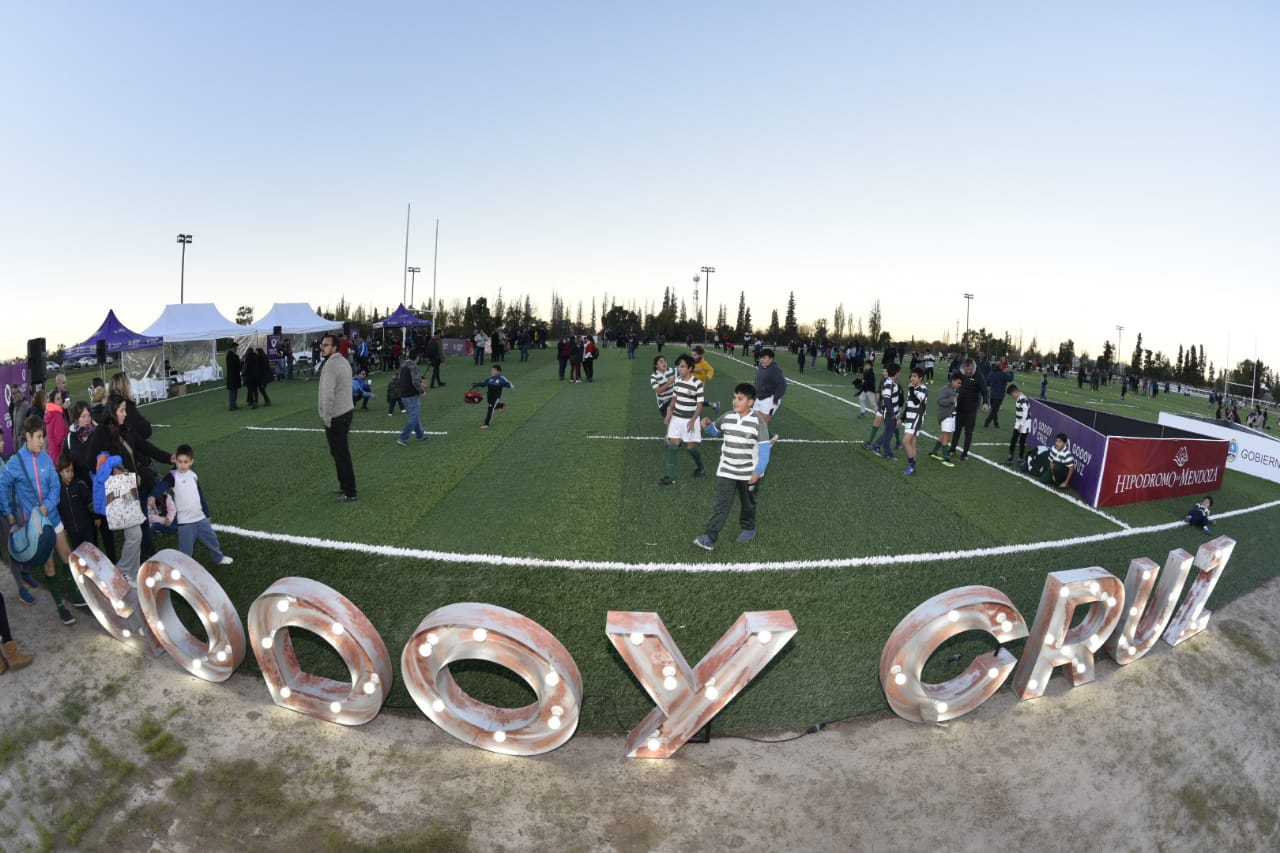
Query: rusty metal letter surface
point(171, 573)
point(917, 637)
point(688, 698)
point(1146, 615)
point(113, 602)
point(468, 631)
point(1053, 643)
point(327, 613)
point(1192, 618)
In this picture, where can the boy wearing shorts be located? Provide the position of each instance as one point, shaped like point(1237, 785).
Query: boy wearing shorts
point(947, 399)
point(682, 419)
point(913, 422)
point(770, 385)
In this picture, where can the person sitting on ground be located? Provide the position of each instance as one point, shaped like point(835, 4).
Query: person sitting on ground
point(1199, 515)
point(1055, 466)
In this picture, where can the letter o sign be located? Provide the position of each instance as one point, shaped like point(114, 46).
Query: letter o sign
point(171, 573)
point(327, 613)
point(486, 632)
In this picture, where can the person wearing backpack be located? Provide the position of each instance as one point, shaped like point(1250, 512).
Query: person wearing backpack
point(411, 391)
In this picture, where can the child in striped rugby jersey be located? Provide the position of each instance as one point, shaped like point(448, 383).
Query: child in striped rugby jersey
point(663, 383)
point(744, 431)
point(682, 419)
point(913, 422)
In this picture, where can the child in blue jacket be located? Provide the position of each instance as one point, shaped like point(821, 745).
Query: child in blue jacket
point(29, 476)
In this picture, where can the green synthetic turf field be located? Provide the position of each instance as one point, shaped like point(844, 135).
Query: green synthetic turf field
point(570, 473)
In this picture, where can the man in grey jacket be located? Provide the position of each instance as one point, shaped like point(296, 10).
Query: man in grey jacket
point(336, 411)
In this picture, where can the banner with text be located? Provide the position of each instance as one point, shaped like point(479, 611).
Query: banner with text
point(1248, 450)
point(1149, 469)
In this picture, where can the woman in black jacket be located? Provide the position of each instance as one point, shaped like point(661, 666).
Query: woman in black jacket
point(79, 444)
point(233, 376)
point(118, 436)
point(264, 375)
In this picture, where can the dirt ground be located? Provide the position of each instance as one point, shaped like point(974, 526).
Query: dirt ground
point(103, 749)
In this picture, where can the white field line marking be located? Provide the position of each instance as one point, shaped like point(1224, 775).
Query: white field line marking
point(708, 438)
point(791, 565)
point(1058, 493)
point(321, 429)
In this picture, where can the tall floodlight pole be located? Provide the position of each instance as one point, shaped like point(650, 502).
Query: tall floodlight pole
point(706, 326)
point(413, 280)
point(404, 289)
point(184, 239)
point(697, 280)
point(1119, 351)
point(968, 300)
point(435, 259)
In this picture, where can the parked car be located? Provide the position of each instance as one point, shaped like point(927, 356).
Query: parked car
point(86, 361)
point(52, 367)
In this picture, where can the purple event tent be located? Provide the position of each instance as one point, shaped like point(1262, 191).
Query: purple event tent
point(119, 338)
point(401, 318)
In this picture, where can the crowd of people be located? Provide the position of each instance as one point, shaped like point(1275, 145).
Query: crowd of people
point(87, 466)
point(84, 471)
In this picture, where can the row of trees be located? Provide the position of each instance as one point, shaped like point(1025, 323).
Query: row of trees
point(672, 319)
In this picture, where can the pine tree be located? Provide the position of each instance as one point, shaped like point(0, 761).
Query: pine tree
point(790, 330)
point(774, 331)
point(740, 328)
point(1135, 364)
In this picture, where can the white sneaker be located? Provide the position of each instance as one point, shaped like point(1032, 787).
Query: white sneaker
point(225, 561)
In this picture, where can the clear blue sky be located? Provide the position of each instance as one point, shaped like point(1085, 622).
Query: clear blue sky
point(1074, 167)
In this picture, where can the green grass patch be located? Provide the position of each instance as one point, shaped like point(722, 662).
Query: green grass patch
point(540, 484)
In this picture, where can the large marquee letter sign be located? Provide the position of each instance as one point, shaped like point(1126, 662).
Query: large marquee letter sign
point(487, 632)
point(171, 573)
point(113, 602)
point(327, 613)
point(917, 637)
point(1191, 617)
point(1145, 617)
point(1053, 643)
point(688, 698)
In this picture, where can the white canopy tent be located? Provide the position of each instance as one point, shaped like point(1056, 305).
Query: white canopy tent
point(297, 321)
point(189, 332)
point(194, 321)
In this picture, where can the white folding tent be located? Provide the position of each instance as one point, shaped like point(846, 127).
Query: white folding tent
point(189, 332)
point(297, 321)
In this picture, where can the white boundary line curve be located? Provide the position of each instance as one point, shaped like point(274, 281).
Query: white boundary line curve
point(790, 565)
point(318, 429)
